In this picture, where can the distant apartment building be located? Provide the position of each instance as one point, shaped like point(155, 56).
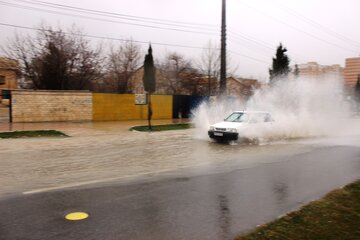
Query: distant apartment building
point(351, 71)
point(317, 71)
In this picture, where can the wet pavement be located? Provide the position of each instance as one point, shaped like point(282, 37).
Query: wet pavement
point(165, 185)
point(4, 114)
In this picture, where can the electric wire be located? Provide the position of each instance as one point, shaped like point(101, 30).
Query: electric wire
point(237, 38)
point(298, 29)
point(104, 20)
point(255, 59)
point(127, 40)
point(118, 14)
point(316, 24)
point(232, 34)
point(101, 13)
point(197, 26)
point(103, 38)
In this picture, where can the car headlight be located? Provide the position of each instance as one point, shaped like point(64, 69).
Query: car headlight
point(211, 128)
point(231, 130)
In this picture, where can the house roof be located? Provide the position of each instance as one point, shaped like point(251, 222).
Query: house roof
point(245, 81)
point(7, 63)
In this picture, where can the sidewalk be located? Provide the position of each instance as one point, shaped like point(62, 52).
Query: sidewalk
point(4, 114)
point(84, 128)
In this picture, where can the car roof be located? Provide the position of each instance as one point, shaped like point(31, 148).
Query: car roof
point(250, 112)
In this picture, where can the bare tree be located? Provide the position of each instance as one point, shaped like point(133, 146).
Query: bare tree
point(180, 76)
point(56, 60)
point(123, 61)
point(210, 65)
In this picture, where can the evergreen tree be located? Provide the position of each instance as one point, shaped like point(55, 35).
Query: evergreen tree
point(149, 80)
point(280, 64)
point(53, 69)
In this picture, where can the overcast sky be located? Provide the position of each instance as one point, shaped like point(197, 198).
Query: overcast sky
point(325, 31)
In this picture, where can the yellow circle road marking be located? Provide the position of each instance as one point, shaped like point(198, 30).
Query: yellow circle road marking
point(76, 216)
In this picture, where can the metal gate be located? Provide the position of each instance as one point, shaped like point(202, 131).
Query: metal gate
point(183, 105)
point(5, 106)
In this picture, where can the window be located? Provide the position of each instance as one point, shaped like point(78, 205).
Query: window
point(2, 80)
point(237, 117)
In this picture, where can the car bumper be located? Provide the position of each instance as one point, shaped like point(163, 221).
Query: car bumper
point(228, 136)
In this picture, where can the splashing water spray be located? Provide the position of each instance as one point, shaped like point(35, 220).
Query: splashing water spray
point(302, 107)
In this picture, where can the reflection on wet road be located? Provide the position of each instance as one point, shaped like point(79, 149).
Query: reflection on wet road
point(107, 155)
point(166, 185)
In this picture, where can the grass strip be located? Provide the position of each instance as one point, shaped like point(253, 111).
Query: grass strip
point(336, 216)
point(167, 127)
point(37, 133)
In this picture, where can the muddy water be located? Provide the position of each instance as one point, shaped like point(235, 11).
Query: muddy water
point(108, 152)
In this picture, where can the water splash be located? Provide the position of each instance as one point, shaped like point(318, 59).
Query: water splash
point(303, 107)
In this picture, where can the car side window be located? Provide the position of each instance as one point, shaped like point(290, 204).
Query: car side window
point(256, 118)
point(268, 118)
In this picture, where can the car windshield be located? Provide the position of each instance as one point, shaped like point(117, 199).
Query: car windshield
point(237, 117)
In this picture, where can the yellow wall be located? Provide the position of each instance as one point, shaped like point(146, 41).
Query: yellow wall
point(114, 107)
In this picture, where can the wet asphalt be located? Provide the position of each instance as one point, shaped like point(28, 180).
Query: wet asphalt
point(185, 205)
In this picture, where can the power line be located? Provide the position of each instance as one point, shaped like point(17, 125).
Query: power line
point(142, 25)
point(104, 38)
point(104, 20)
point(316, 24)
point(257, 42)
point(127, 40)
point(252, 58)
point(239, 37)
point(77, 9)
point(247, 38)
point(120, 16)
point(298, 29)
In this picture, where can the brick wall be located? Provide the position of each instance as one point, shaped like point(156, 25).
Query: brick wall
point(51, 106)
point(61, 106)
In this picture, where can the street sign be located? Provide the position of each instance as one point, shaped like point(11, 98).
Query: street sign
point(140, 99)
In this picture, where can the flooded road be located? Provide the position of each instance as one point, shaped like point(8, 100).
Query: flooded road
point(106, 152)
point(161, 185)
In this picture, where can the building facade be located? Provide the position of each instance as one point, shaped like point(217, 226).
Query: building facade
point(187, 82)
point(241, 87)
point(9, 70)
point(351, 71)
point(317, 71)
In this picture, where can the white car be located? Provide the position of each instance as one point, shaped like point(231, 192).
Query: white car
point(240, 124)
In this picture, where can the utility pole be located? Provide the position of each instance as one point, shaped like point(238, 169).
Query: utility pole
point(223, 50)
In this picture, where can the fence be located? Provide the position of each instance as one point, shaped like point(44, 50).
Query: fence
point(60, 106)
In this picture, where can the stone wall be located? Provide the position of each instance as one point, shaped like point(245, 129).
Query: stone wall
point(62, 106)
point(51, 106)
